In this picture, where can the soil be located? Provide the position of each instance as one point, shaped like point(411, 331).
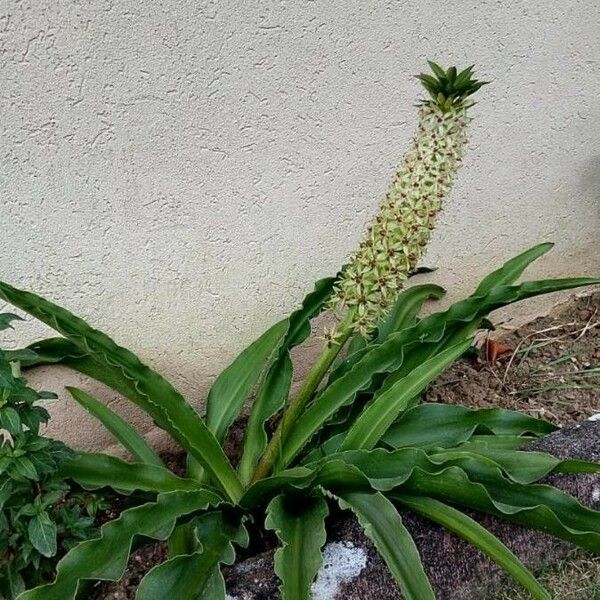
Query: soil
point(549, 368)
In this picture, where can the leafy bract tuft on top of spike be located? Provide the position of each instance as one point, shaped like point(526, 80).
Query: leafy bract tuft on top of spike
point(449, 89)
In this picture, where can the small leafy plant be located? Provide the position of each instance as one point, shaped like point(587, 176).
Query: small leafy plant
point(355, 433)
point(40, 516)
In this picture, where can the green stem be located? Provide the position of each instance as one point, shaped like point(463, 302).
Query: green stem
point(296, 405)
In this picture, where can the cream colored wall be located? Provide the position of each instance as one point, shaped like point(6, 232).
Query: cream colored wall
point(179, 173)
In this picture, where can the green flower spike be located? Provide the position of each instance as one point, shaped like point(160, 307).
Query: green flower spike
point(395, 241)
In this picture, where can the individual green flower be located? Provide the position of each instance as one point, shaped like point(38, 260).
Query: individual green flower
point(395, 241)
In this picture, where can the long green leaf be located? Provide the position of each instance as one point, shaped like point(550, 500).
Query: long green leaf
point(233, 386)
point(475, 534)
point(182, 540)
point(386, 470)
point(145, 387)
point(92, 470)
point(64, 352)
point(512, 269)
point(402, 315)
point(56, 350)
point(196, 576)
point(404, 312)
point(300, 526)
point(383, 411)
point(268, 401)
point(335, 475)
point(522, 467)
point(478, 443)
point(355, 470)
point(375, 359)
point(263, 490)
point(446, 425)
point(275, 387)
point(105, 558)
point(464, 318)
point(118, 426)
point(383, 470)
point(539, 506)
point(383, 526)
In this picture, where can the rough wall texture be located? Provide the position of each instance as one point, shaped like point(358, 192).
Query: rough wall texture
point(180, 172)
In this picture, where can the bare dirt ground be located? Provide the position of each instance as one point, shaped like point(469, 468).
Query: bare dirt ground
point(550, 368)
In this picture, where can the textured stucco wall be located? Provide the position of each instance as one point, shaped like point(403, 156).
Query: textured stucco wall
point(180, 172)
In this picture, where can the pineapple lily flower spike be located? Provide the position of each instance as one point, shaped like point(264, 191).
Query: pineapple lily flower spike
point(396, 239)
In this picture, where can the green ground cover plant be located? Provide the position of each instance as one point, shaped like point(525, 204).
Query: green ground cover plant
point(41, 515)
point(356, 433)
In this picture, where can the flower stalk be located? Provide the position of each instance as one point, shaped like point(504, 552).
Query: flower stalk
point(396, 239)
point(296, 405)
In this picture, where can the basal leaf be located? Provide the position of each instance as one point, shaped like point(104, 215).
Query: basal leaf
point(300, 526)
point(522, 467)
point(21, 355)
point(275, 387)
point(535, 505)
point(263, 490)
point(335, 475)
point(475, 483)
point(383, 526)
point(405, 309)
point(404, 351)
point(94, 471)
point(445, 425)
point(475, 534)
point(195, 576)
point(376, 359)
point(477, 443)
point(381, 413)
point(271, 397)
point(440, 331)
point(511, 270)
point(105, 557)
point(53, 351)
point(234, 385)
point(118, 427)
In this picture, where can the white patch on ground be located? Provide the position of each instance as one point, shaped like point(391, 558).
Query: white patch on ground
point(342, 562)
point(596, 494)
point(595, 417)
